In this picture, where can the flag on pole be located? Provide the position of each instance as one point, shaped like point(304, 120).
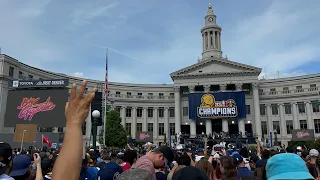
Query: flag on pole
point(46, 140)
point(107, 108)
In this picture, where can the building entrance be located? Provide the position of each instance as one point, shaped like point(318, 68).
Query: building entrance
point(248, 128)
point(233, 127)
point(216, 125)
point(201, 128)
point(185, 129)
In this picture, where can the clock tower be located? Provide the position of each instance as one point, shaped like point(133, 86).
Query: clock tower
point(211, 36)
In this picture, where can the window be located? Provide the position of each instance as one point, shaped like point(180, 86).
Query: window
point(273, 91)
point(274, 109)
point(317, 125)
point(161, 129)
point(276, 126)
point(285, 90)
point(129, 95)
point(118, 94)
point(21, 76)
point(303, 124)
point(248, 109)
point(315, 106)
point(128, 128)
point(313, 87)
point(171, 112)
point(287, 108)
point(150, 127)
point(185, 111)
point(11, 71)
point(161, 112)
point(171, 95)
point(262, 109)
point(139, 127)
point(299, 89)
point(139, 95)
point(150, 112)
point(128, 112)
point(161, 96)
point(172, 129)
point(260, 90)
point(301, 107)
point(289, 125)
point(30, 77)
point(139, 112)
point(264, 127)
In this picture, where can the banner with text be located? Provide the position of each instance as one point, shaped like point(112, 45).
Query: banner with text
point(144, 137)
point(217, 105)
point(303, 135)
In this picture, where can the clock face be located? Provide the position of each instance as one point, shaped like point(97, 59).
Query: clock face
point(210, 19)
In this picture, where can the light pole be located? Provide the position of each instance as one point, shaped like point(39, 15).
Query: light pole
point(95, 115)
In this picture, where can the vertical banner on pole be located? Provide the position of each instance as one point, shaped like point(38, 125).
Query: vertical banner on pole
point(270, 139)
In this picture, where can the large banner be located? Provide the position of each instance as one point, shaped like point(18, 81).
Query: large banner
point(217, 105)
point(42, 107)
point(144, 137)
point(303, 135)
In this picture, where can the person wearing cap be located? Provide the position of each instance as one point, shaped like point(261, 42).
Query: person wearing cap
point(156, 159)
point(240, 164)
point(312, 163)
point(6, 161)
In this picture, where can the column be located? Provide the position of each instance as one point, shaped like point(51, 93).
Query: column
point(88, 125)
point(155, 124)
point(214, 40)
point(191, 88)
point(283, 129)
point(206, 88)
point(123, 115)
point(239, 86)
point(177, 109)
point(241, 126)
point(209, 42)
point(166, 121)
point(296, 123)
point(206, 40)
point(203, 42)
point(145, 121)
point(309, 115)
point(269, 120)
point(134, 122)
point(219, 41)
point(256, 106)
point(225, 125)
point(193, 130)
point(223, 87)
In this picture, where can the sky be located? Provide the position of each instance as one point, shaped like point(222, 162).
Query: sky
point(149, 39)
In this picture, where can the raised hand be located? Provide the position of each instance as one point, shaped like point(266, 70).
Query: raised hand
point(77, 109)
point(36, 159)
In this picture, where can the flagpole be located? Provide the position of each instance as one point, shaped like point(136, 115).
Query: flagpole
point(42, 140)
point(105, 100)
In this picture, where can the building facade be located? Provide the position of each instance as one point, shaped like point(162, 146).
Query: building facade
point(279, 105)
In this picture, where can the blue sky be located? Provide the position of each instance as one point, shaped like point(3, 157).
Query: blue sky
point(149, 39)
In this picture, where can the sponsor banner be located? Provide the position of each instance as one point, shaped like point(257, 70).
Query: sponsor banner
point(42, 107)
point(303, 135)
point(40, 83)
point(144, 137)
point(217, 105)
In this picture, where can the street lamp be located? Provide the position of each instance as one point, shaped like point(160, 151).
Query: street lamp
point(95, 115)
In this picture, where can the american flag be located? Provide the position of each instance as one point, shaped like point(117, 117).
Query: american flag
point(106, 80)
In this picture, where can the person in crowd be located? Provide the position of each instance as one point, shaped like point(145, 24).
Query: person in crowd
point(6, 161)
point(23, 169)
point(287, 166)
point(124, 165)
point(189, 172)
point(155, 159)
point(135, 174)
point(240, 164)
point(265, 155)
point(110, 169)
point(227, 168)
point(312, 163)
point(252, 161)
point(130, 156)
point(305, 155)
point(76, 112)
point(200, 154)
point(206, 167)
point(92, 171)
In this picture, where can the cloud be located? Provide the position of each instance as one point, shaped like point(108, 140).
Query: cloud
point(77, 74)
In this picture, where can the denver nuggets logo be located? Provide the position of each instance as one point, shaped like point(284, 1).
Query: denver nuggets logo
point(210, 108)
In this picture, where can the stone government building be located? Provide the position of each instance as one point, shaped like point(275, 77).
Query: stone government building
point(272, 105)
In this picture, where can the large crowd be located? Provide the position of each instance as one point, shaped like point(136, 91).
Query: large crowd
point(219, 162)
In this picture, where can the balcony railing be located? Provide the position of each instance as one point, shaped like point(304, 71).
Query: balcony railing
point(289, 92)
point(140, 97)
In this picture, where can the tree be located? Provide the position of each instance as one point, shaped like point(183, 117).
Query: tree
point(116, 135)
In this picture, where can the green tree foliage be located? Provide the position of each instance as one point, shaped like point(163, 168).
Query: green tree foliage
point(116, 135)
point(309, 144)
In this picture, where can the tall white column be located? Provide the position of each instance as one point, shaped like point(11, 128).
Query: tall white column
point(209, 42)
point(193, 129)
point(134, 122)
point(256, 106)
point(309, 115)
point(214, 40)
point(296, 123)
point(269, 120)
point(123, 115)
point(225, 125)
point(282, 121)
point(203, 42)
point(223, 87)
point(239, 86)
point(177, 109)
point(88, 125)
point(241, 126)
point(219, 41)
point(166, 121)
point(145, 121)
point(155, 124)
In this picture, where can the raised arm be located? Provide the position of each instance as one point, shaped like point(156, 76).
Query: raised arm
point(68, 164)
